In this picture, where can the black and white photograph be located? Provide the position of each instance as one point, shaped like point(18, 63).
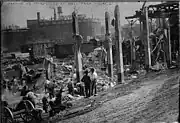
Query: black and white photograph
point(90, 62)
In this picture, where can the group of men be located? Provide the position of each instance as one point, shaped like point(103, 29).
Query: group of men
point(90, 81)
point(55, 98)
point(87, 86)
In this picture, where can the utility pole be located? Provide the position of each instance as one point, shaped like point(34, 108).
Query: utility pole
point(78, 39)
point(120, 67)
point(146, 40)
point(108, 39)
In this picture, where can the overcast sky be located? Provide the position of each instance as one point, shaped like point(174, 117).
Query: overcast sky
point(17, 13)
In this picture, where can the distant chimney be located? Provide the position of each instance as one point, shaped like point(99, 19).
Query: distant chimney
point(54, 14)
point(38, 16)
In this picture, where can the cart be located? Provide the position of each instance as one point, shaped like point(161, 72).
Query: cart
point(24, 115)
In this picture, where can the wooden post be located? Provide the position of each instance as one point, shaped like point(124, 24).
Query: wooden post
point(133, 54)
point(109, 52)
point(151, 26)
point(168, 48)
point(178, 59)
point(133, 50)
point(78, 40)
point(120, 67)
point(167, 42)
point(147, 40)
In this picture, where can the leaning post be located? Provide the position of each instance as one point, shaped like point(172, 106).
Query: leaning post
point(78, 40)
point(120, 67)
point(108, 39)
point(147, 40)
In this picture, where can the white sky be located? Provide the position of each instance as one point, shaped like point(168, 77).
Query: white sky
point(18, 12)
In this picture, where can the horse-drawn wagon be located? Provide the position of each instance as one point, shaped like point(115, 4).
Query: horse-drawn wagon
point(24, 112)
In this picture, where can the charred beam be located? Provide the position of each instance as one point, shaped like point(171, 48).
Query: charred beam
point(78, 39)
point(109, 52)
point(147, 41)
point(120, 69)
point(178, 59)
point(167, 44)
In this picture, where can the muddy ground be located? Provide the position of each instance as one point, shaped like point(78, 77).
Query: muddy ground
point(148, 99)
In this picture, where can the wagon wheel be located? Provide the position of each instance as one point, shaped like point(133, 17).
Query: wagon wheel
point(7, 115)
point(27, 116)
point(29, 105)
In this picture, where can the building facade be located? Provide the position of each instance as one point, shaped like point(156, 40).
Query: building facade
point(61, 29)
point(39, 48)
point(12, 39)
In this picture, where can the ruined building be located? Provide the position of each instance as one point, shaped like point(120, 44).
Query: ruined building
point(57, 29)
point(60, 28)
point(12, 39)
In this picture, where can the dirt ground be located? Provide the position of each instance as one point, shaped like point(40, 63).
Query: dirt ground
point(147, 99)
point(154, 98)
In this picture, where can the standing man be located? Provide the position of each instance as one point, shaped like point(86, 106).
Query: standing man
point(71, 87)
point(14, 85)
point(87, 82)
point(46, 85)
point(52, 86)
point(93, 76)
point(25, 89)
point(58, 100)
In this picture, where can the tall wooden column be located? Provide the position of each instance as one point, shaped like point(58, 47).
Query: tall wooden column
point(147, 40)
point(109, 52)
point(78, 40)
point(167, 42)
point(168, 47)
point(133, 55)
point(179, 56)
point(133, 50)
point(120, 67)
point(178, 59)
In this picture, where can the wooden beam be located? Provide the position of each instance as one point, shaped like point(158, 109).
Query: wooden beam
point(156, 14)
point(167, 45)
point(120, 67)
point(133, 50)
point(78, 40)
point(169, 8)
point(109, 52)
point(164, 4)
point(178, 59)
point(147, 40)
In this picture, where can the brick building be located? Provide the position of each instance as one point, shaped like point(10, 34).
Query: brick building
point(12, 39)
point(61, 28)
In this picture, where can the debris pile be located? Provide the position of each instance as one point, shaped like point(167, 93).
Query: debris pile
point(65, 72)
point(159, 67)
point(23, 60)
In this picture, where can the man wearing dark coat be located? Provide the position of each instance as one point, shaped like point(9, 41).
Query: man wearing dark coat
point(87, 82)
